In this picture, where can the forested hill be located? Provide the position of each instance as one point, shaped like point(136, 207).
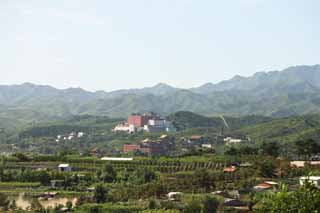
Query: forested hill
point(258, 128)
point(184, 120)
point(293, 91)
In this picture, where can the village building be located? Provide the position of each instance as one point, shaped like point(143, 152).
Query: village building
point(221, 194)
point(230, 169)
point(174, 196)
point(94, 152)
point(64, 168)
point(301, 164)
point(207, 146)
point(196, 139)
point(150, 147)
point(315, 180)
point(231, 141)
point(125, 127)
point(149, 122)
point(116, 159)
point(235, 204)
point(267, 185)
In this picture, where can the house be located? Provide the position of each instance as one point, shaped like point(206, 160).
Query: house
point(174, 196)
point(81, 134)
point(94, 152)
point(230, 169)
point(301, 164)
point(196, 140)
point(221, 194)
point(207, 146)
point(315, 180)
point(231, 141)
point(159, 125)
point(266, 186)
point(148, 146)
point(139, 121)
point(235, 204)
point(64, 168)
point(163, 137)
point(130, 147)
point(246, 164)
point(125, 127)
point(149, 122)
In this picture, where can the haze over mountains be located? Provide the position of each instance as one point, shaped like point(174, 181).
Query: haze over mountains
point(295, 90)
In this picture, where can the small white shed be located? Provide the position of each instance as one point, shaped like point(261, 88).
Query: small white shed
point(174, 196)
point(315, 180)
point(64, 168)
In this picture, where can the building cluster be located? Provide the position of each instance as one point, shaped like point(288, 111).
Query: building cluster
point(197, 142)
point(149, 122)
point(70, 136)
point(151, 147)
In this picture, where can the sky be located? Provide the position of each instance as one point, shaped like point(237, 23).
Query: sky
point(117, 44)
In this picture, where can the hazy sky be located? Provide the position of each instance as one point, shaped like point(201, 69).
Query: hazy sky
point(112, 44)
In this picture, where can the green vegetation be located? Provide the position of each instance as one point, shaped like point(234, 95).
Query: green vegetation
point(306, 199)
point(293, 91)
point(29, 168)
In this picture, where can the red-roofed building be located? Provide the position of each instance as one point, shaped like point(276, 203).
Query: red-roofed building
point(229, 169)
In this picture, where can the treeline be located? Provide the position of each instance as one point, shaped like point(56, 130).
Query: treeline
point(52, 131)
point(185, 120)
point(301, 149)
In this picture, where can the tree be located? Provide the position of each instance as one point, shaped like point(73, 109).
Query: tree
point(44, 178)
point(248, 150)
point(193, 207)
point(21, 156)
point(307, 147)
point(81, 200)
point(4, 202)
point(267, 169)
point(231, 151)
point(1, 173)
point(69, 205)
point(100, 194)
point(270, 148)
point(152, 204)
point(210, 204)
point(143, 175)
point(13, 205)
point(203, 179)
point(109, 174)
point(36, 205)
point(304, 200)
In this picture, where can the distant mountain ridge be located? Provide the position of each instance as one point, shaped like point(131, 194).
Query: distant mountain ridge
point(295, 90)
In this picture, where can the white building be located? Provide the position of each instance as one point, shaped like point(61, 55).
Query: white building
point(64, 168)
point(116, 159)
point(315, 180)
point(125, 127)
point(207, 146)
point(174, 196)
point(159, 125)
point(156, 122)
point(230, 140)
point(301, 164)
point(80, 134)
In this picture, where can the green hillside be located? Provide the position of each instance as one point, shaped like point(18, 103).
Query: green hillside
point(293, 91)
point(184, 120)
point(285, 130)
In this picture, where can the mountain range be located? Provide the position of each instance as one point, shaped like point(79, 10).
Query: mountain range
point(295, 90)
